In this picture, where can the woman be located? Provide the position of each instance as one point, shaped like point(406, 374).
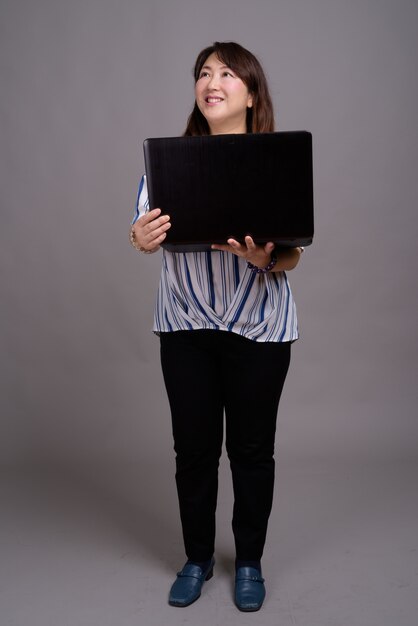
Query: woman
point(226, 320)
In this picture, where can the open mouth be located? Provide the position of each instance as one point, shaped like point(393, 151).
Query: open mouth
point(213, 100)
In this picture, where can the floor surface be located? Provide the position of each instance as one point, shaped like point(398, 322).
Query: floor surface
point(102, 549)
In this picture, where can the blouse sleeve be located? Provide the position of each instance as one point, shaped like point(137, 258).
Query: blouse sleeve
point(142, 202)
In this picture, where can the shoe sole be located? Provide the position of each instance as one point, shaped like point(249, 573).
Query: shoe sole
point(182, 604)
point(249, 610)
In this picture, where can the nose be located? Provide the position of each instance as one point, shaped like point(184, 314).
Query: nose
point(213, 82)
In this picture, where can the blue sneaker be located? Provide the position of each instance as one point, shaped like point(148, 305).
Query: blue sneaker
point(249, 589)
point(188, 585)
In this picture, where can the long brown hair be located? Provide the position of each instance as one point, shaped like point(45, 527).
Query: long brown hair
point(260, 117)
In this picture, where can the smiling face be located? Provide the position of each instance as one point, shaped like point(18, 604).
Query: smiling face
point(222, 98)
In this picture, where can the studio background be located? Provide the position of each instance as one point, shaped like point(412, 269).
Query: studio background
point(83, 84)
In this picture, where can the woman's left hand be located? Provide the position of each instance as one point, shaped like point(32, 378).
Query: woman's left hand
point(250, 251)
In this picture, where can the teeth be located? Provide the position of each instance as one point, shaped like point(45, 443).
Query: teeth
point(211, 100)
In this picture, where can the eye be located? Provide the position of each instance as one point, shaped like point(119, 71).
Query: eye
point(228, 73)
point(203, 74)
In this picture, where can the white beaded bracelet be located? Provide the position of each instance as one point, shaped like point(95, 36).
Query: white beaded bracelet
point(134, 243)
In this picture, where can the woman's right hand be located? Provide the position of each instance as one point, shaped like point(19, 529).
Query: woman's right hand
point(150, 230)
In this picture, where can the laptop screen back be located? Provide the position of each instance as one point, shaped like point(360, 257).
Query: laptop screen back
point(222, 186)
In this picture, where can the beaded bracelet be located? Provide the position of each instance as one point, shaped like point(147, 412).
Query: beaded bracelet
point(134, 243)
point(263, 270)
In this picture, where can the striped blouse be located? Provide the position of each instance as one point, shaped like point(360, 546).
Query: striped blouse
point(216, 290)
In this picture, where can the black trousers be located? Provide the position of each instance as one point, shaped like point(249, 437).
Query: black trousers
point(207, 373)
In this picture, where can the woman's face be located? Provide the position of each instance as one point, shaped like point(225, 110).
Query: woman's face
point(222, 98)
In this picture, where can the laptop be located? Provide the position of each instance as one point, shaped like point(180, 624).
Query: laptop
point(221, 186)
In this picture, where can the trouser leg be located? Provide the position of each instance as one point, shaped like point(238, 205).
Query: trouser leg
point(254, 374)
point(192, 378)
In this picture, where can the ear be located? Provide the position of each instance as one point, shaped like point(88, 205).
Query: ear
point(250, 100)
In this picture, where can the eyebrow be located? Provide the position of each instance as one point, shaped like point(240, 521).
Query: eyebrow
point(209, 67)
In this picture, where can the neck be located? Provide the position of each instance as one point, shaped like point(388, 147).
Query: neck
point(228, 129)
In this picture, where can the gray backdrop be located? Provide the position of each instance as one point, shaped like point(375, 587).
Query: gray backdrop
point(83, 83)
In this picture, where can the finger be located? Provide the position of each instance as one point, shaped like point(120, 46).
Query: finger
point(221, 246)
point(160, 222)
point(147, 233)
point(269, 247)
point(153, 235)
point(159, 239)
point(148, 217)
point(155, 224)
point(235, 244)
point(249, 242)
point(153, 246)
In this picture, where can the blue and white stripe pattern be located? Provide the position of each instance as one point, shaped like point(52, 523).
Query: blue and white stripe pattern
point(216, 290)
